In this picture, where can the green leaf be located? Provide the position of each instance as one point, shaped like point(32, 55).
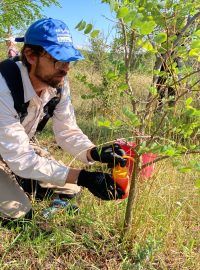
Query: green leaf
point(130, 16)
point(81, 26)
point(185, 169)
point(117, 123)
point(104, 123)
point(143, 148)
point(194, 52)
point(173, 38)
point(111, 75)
point(188, 101)
point(132, 117)
point(122, 12)
point(153, 90)
point(94, 33)
point(141, 9)
point(170, 152)
point(195, 44)
point(123, 86)
point(197, 183)
point(137, 21)
point(147, 27)
point(197, 33)
point(160, 38)
point(148, 46)
point(88, 28)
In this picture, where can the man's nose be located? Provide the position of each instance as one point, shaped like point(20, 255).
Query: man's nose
point(62, 66)
point(65, 67)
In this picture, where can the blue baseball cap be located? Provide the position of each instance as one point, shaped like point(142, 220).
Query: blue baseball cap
point(53, 36)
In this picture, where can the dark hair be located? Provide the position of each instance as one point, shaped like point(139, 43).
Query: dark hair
point(36, 50)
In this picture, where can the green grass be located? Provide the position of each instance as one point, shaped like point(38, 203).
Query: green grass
point(164, 234)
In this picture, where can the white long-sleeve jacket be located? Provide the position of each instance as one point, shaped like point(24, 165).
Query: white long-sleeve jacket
point(15, 148)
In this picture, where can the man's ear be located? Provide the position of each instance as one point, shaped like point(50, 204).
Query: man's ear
point(30, 57)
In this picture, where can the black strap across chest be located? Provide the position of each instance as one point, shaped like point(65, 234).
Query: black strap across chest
point(12, 75)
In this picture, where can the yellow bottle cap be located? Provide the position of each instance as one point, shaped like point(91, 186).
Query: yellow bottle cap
point(120, 172)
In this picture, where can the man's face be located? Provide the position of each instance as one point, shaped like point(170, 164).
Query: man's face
point(50, 71)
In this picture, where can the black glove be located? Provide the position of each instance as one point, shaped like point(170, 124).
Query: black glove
point(111, 154)
point(100, 185)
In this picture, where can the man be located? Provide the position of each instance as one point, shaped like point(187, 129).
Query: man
point(45, 58)
point(12, 50)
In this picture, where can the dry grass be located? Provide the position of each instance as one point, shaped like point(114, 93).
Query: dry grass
point(140, 84)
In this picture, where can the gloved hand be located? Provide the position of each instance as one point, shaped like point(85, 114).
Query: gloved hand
point(111, 154)
point(100, 185)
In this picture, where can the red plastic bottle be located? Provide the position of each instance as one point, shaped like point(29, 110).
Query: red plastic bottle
point(121, 177)
point(129, 147)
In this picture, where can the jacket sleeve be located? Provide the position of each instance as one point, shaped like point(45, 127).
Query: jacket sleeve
point(18, 153)
point(67, 133)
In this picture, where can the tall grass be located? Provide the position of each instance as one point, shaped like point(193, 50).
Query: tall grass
point(165, 232)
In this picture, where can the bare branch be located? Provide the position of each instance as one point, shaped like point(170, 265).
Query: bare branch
point(186, 76)
point(159, 126)
point(195, 84)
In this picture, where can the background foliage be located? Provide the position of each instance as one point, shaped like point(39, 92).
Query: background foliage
point(18, 14)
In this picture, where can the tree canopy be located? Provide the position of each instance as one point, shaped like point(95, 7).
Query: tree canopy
point(17, 14)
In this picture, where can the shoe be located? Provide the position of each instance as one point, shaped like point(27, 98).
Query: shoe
point(58, 206)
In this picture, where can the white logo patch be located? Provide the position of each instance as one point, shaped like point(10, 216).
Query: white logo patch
point(63, 35)
point(64, 38)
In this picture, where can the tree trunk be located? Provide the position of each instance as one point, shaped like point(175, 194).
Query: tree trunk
point(132, 196)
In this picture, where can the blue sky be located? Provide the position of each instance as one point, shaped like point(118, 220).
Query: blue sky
point(72, 12)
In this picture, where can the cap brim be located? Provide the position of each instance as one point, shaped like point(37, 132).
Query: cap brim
point(64, 53)
point(60, 53)
point(19, 39)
